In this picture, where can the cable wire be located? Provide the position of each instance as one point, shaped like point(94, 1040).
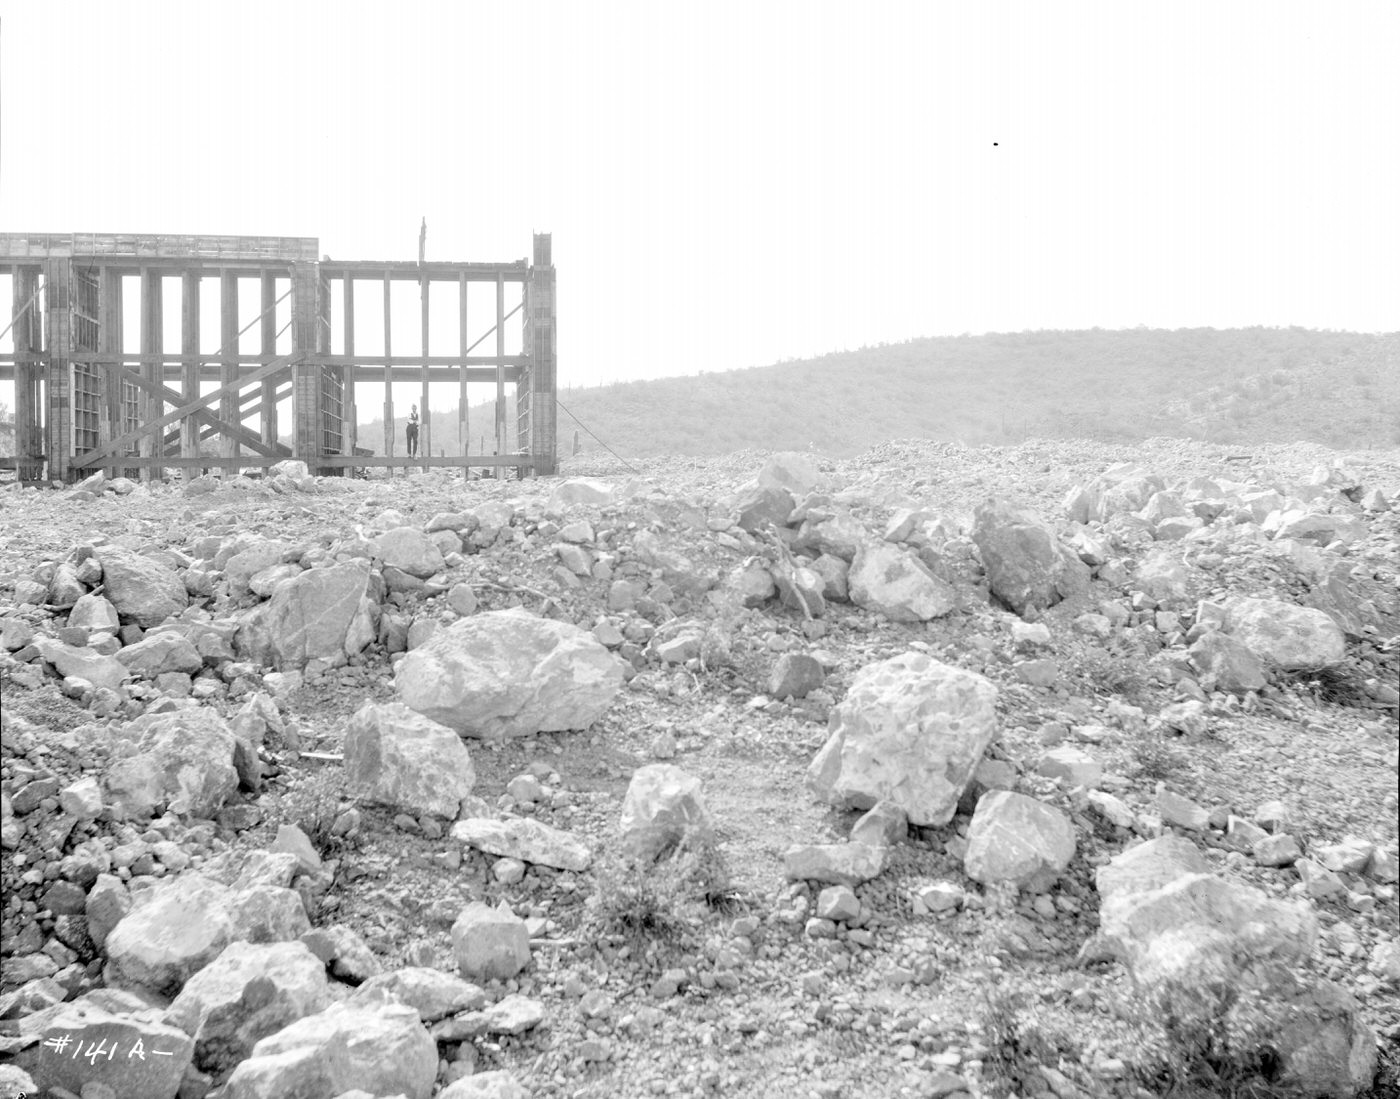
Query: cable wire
point(597, 440)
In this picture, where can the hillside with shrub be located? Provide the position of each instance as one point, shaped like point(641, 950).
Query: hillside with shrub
point(1234, 386)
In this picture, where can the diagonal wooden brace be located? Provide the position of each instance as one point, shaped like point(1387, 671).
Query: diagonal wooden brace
point(198, 408)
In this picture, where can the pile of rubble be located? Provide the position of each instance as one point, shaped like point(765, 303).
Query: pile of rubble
point(150, 948)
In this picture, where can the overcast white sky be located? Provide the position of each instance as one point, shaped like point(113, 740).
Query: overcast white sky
point(732, 183)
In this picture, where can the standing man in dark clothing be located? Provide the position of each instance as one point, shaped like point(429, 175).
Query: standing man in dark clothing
point(411, 432)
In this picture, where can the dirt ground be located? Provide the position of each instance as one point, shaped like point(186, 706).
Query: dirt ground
point(903, 1005)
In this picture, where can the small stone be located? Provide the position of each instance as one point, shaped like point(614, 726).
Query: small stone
point(839, 903)
point(1318, 881)
point(1277, 850)
point(1071, 766)
point(1182, 812)
point(1272, 816)
point(943, 896)
point(508, 871)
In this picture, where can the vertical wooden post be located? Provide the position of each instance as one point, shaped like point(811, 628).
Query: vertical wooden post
point(331, 421)
point(152, 347)
point(109, 342)
point(539, 380)
point(425, 430)
point(189, 348)
point(229, 404)
point(23, 313)
point(352, 416)
point(58, 320)
point(388, 379)
point(464, 438)
point(268, 404)
point(306, 374)
point(500, 373)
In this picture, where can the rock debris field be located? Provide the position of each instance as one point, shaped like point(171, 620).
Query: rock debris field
point(1057, 770)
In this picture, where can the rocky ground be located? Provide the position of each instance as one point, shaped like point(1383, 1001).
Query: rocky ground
point(1130, 738)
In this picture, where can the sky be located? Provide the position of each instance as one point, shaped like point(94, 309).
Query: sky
point(731, 184)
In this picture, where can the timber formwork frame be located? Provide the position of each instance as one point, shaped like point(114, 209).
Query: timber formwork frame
point(83, 403)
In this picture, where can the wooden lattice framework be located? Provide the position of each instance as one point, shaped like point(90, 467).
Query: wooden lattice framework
point(83, 403)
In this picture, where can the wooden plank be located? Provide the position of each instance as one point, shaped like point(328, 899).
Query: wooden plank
point(463, 429)
point(425, 440)
point(267, 421)
point(27, 434)
point(499, 328)
point(189, 344)
point(501, 461)
point(347, 373)
point(306, 375)
point(229, 409)
point(165, 245)
point(152, 343)
point(439, 374)
point(388, 374)
point(109, 338)
point(439, 271)
point(184, 409)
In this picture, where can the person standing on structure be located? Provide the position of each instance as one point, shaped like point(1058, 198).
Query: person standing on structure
point(411, 432)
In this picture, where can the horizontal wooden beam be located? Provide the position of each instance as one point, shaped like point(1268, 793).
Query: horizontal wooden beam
point(435, 374)
point(156, 246)
point(448, 461)
point(409, 271)
point(204, 461)
point(418, 361)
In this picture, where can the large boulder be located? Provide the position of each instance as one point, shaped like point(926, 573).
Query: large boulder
point(490, 944)
point(94, 613)
point(397, 757)
point(1226, 664)
point(846, 864)
point(379, 1048)
point(509, 673)
point(251, 559)
point(431, 992)
point(835, 532)
point(243, 995)
point(662, 804)
point(172, 932)
point(82, 663)
point(759, 507)
point(410, 550)
point(1162, 575)
point(322, 614)
point(1285, 635)
point(1179, 927)
point(181, 760)
point(495, 1084)
point(1026, 566)
point(911, 731)
point(792, 470)
point(893, 582)
point(1167, 916)
point(162, 652)
point(83, 1044)
point(1018, 840)
point(143, 590)
point(525, 839)
point(581, 490)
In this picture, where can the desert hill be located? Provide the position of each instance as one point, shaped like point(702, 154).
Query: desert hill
point(1234, 386)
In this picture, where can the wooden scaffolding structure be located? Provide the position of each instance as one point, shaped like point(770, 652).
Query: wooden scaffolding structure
point(83, 402)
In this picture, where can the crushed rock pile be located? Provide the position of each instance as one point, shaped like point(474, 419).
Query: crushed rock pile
point(1030, 714)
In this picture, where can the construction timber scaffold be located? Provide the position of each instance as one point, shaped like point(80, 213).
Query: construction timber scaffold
point(86, 402)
